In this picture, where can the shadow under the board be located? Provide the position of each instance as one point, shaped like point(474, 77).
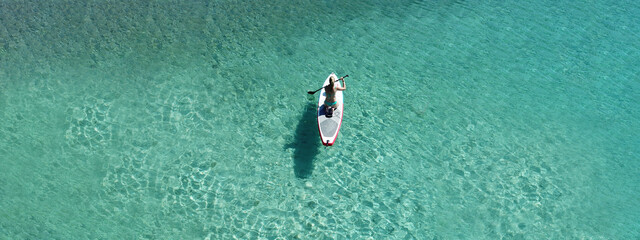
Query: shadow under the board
point(305, 142)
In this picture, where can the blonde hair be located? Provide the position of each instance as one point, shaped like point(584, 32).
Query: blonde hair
point(332, 80)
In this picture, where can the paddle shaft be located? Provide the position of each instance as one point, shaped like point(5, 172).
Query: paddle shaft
point(342, 79)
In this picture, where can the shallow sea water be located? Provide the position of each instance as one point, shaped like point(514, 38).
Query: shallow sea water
point(190, 120)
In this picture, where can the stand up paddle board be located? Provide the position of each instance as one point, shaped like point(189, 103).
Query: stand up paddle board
point(329, 126)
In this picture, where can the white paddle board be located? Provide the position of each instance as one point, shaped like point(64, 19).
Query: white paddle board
point(329, 126)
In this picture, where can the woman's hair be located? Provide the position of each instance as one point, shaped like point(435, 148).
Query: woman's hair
point(331, 82)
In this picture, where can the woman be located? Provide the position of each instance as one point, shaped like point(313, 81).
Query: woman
point(330, 101)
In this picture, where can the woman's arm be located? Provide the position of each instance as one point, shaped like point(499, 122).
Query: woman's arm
point(344, 85)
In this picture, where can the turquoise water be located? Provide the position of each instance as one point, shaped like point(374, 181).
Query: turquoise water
point(190, 120)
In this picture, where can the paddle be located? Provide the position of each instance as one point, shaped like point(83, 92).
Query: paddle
point(313, 92)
